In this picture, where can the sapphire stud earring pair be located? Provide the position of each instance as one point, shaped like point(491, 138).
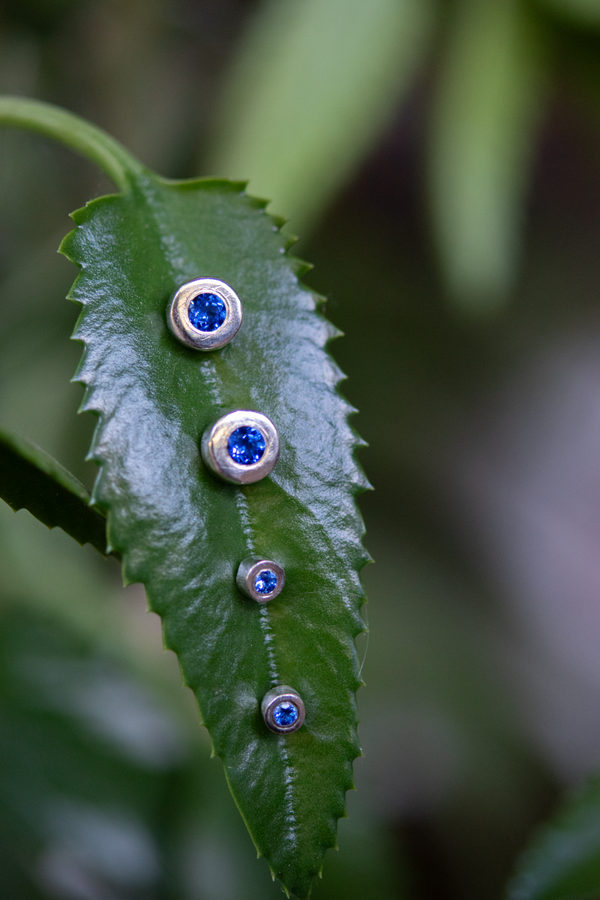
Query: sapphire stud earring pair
point(243, 446)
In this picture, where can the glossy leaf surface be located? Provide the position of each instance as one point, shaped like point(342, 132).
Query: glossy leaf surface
point(183, 533)
point(563, 863)
point(31, 479)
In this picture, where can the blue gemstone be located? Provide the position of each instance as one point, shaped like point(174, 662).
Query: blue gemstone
point(285, 714)
point(207, 312)
point(246, 445)
point(265, 582)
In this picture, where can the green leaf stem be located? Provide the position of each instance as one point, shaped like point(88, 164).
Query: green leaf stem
point(81, 136)
point(31, 479)
point(182, 532)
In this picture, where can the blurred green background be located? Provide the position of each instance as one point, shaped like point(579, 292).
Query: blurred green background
point(441, 162)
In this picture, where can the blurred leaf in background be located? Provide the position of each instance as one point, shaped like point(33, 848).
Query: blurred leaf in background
point(564, 860)
point(586, 12)
point(313, 85)
point(485, 121)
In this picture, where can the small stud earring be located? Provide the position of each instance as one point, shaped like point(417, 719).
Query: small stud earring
point(260, 579)
point(241, 447)
point(205, 314)
point(283, 710)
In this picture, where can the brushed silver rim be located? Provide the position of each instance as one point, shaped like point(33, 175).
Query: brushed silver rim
point(179, 322)
point(283, 693)
point(249, 570)
point(215, 450)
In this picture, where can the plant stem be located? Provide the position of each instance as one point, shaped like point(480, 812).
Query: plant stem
point(76, 133)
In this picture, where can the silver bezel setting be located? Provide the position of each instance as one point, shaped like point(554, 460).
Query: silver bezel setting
point(273, 698)
point(180, 325)
point(246, 576)
point(215, 452)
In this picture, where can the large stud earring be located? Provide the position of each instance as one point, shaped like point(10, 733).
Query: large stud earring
point(260, 579)
point(241, 447)
point(205, 314)
point(283, 710)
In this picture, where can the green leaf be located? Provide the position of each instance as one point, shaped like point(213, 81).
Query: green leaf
point(581, 12)
point(31, 479)
point(87, 754)
point(563, 862)
point(314, 84)
point(183, 533)
point(484, 126)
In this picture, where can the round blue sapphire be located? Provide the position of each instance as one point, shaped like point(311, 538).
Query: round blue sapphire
point(285, 714)
point(207, 312)
point(246, 445)
point(265, 582)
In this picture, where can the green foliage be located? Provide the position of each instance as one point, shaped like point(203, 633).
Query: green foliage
point(484, 119)
point(31, 479)
point(52, 726)
point(297, 117)
point(563, 862)
point(582, 12)
point(181, 532)
point(104, 736)
point(481, 146)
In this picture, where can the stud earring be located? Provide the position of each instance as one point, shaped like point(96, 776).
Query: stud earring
point(205, 314)
point(242, 446)
point(260, 579)
point(283, 710)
